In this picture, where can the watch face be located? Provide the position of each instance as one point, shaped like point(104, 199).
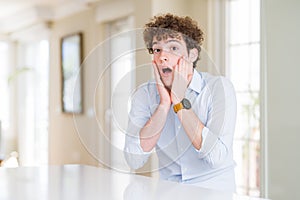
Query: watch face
point(186, 103)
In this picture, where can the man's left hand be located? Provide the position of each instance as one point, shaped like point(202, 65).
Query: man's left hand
point(182, 76)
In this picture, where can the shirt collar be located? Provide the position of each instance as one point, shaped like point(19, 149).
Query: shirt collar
point(196, 82)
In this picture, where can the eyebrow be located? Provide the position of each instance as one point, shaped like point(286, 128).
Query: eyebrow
point(168, 41)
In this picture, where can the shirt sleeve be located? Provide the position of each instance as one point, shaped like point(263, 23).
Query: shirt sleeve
point(139, 114)
point(217, 136)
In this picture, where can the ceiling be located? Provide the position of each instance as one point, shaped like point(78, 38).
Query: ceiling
point(12, 7)
point(17, 14)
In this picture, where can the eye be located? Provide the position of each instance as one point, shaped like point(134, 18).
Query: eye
point(156, 50)
point(174, 48)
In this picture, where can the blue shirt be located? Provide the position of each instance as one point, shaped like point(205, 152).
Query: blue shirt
point(214, 102)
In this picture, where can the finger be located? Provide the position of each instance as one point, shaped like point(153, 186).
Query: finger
point(176, 70)
point(189, 69)
point(156, 73)
point(179, 64)
point(187, 65)
point(185, 68)
point(182, 69)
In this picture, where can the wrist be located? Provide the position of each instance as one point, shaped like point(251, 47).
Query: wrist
point(176, 100)
point(164, 107)
point(183, 104)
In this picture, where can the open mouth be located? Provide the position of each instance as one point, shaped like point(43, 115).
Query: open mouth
point(166, 70)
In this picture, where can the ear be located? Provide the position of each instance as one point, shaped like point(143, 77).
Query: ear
point(193, 54)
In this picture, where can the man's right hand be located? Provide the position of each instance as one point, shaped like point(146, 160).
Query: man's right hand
point(165, 98)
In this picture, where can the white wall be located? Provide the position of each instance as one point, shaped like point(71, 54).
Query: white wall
point(65, 145)
point(280, 39)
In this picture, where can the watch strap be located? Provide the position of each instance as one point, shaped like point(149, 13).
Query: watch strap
point(177, 107)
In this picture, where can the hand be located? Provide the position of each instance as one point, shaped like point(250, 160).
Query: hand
point(165, 99)
point(182, 77)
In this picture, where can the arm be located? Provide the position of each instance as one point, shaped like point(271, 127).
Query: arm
point(144, 128)
point(192, 125)
point(220, 125)
point(150, 133)
point(213, 137)
point(140, 113)
point(189, 120)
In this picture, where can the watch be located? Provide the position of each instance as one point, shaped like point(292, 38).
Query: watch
point(184, 104)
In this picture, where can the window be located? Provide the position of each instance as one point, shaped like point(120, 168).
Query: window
point(24, 101)
point(32, 102)
point(121, 41)
point(243, 68)
point(120, 78)
point(4, 100)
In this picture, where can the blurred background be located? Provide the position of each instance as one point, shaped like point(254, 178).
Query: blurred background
point(42, 43)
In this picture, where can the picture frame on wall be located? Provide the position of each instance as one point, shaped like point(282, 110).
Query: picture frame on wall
point(71, 59)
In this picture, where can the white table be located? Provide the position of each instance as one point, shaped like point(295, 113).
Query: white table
point(72, 182)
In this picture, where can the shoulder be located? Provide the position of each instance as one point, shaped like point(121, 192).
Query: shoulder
point(218, 86)
point(147, 87)
point(214, 81)
point(145, 90)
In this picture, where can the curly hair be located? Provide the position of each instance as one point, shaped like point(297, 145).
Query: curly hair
point(169, 25)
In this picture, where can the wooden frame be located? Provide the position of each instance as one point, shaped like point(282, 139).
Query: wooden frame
point(71, 59)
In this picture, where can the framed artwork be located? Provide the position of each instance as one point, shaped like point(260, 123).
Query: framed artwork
point(71, 58)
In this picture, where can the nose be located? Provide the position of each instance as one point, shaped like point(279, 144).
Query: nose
point(163, 56)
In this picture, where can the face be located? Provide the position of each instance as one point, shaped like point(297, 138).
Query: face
point(166, 54)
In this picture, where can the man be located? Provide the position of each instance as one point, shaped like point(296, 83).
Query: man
point(187, 117)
